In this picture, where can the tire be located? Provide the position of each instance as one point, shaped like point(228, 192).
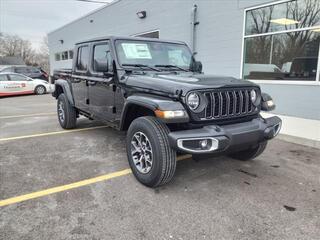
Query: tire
point(251, 153)
point(163, 158)
point(40, 90)
point(67, 114)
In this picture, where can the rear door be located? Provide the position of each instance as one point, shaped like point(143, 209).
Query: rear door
point(79, 78)
point(101, 87)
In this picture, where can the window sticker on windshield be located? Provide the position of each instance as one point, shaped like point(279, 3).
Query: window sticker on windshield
point(136, 50)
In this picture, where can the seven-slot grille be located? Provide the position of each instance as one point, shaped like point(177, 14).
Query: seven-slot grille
point(228, 104)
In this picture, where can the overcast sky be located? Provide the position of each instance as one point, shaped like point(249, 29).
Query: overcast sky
point(33, 19)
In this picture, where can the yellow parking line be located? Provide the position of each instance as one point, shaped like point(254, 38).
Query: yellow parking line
point(63, 188)
point(27, 115)
point(50, 133)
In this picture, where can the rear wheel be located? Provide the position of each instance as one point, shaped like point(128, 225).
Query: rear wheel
point(67, 114)
point(251, 153)
point(152, 160)
point(40, 90)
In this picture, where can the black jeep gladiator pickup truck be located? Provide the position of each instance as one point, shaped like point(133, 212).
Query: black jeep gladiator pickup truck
point(156, 91)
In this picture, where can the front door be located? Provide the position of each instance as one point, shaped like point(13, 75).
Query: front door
point(79, 79)
point(101, 87)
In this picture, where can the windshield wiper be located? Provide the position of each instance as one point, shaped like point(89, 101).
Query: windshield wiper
point(172, 66)
point(141, 66)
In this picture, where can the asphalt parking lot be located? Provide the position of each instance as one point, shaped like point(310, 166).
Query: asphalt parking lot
point(275, 197)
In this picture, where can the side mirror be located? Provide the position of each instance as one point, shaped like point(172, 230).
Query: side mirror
point(196, 67)
point(101, 65)
point(267, 103)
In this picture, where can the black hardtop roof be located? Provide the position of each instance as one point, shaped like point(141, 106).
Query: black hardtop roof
point(112, 38)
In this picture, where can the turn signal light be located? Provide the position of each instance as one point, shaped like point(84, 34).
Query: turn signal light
point(170, 114)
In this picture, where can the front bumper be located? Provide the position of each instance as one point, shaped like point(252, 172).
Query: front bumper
point(225, 138)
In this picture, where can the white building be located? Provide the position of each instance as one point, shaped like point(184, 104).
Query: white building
point(275, 44)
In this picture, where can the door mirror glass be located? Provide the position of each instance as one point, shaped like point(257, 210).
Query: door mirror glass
point(101, 58)
point(101, 65)
point(196, 66)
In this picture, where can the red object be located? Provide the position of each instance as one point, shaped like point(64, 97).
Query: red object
point(2, 94)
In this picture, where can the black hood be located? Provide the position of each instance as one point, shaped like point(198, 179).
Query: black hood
point(171, 83)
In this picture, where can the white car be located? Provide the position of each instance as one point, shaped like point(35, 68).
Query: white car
point(18, 84)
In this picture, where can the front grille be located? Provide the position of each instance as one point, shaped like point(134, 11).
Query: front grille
point(224, 104)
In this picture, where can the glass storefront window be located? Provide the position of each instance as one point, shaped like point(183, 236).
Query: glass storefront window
point(285, 16)
point(282, 42)
point(286, 56)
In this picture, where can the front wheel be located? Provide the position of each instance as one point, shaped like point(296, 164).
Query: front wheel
point(152, 160)
point(250, 153)
point(67, 114)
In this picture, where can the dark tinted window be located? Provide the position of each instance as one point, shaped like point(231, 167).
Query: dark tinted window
point(70, 54)
point(101, 55)
point(64, 55)
point(83, 58)
point(22, 70)
point(33, 70)
point(3, 78)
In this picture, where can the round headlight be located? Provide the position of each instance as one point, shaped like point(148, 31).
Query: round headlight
point(193, 101)
point(253, 95)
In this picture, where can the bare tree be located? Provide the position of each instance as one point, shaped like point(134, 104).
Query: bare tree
point(13, 45)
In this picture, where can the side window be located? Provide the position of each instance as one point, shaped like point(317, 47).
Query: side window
point(101, 57)
point(57, 57)
point(34, 70)
point(22, 70)
point(64, 55)
point(9, 69)
point(14, 77)
point(3, 78)
point(70, 54)
point(83, 58)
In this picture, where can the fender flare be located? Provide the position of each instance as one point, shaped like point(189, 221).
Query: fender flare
point(66, 90)
point(152, 103)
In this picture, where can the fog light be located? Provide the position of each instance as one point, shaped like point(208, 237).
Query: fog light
point(204, 144)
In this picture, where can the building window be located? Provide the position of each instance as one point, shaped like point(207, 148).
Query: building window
point(64, 55)
point(152, 34)
point(70, 54)
point(57, 56)
point(282, 41)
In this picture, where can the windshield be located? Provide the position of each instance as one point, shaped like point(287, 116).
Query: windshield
point(153, 54)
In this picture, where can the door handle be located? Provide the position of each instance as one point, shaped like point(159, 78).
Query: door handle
point(76, 80)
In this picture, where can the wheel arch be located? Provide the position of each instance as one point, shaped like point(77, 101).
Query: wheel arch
point(133, 110)
point(144, 105)
point(62, 86)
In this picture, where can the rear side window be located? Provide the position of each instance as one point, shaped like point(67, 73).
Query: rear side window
point(34, 70)
point(9, 69)
point(3, 78)
point(14, 77)
point(22, 70)
point(83, 58)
